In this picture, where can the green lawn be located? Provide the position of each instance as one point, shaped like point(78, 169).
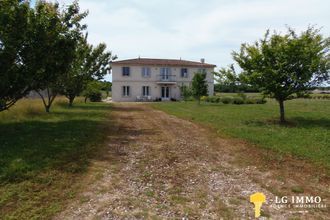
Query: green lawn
point(306, 136)
point(42, 156)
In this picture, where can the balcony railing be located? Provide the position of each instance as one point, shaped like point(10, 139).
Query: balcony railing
point(166, 78)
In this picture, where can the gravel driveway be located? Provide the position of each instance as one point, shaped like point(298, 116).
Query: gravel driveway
point(157, 166)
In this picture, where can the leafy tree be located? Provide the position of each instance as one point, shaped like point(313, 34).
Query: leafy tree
point(106, 86)
point(199, 86)
point(53, 43)
point(93, 91)
point(282, 65)
point(229, 81)
point(89, 63)
point(227, 76)
point(15, 80)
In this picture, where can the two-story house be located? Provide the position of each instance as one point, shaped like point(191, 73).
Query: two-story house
point(145, 79)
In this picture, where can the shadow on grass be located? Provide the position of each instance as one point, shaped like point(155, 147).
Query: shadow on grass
point(296, 122)
point(33, 146)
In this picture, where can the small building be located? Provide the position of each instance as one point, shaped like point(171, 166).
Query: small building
point(145, 79)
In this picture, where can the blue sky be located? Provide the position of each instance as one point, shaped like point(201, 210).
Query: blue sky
point(194, 29)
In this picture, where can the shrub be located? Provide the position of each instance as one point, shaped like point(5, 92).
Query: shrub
point(204, 98)
point(242, 95)
point(250, 101)
point(261, 101)
point(226, 100)
point(238, 101)
point(214, 99)
point(95, 96)
point(189, 99)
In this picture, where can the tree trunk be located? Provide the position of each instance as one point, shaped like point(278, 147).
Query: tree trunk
point(47, 107)
point(282, 116)
point(50, 98)
point(86, 99)
point(71, 99)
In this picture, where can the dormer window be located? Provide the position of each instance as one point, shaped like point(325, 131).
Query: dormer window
point(126, 71)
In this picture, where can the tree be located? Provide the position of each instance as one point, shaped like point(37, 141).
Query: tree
point(89, 63)
point(106, 86)
point(93, 91)
point(199, 86)
point(55, 34)
point(15, 80)
point(229, 81)
point(228, 78)
point(186, 92)
point(283, 65)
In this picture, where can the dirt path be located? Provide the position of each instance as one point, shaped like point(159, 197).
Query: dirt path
point(160, 167)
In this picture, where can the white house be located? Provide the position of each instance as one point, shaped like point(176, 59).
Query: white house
point(145, 79)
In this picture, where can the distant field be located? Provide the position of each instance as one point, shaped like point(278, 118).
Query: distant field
point(307, 135)
point(42, 155)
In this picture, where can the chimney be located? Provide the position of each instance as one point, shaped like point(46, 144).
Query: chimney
point(202, 60)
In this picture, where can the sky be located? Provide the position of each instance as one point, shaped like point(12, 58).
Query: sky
point(195, 29)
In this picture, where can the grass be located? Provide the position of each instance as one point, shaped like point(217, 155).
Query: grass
point(42, 156)
point(306, 136)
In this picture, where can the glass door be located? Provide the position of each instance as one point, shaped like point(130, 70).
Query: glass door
point(165, 73)
point(165, 92)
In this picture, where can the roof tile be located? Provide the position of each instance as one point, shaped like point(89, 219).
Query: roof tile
point(162, 62)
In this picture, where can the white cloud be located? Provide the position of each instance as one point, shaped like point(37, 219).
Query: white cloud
point(192, 29)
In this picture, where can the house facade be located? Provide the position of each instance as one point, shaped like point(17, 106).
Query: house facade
point(145, 79)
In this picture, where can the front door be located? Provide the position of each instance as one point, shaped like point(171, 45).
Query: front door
point(165, 93)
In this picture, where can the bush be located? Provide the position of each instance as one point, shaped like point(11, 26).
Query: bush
point(189, 99)
point(205, 98)
point(242, 95)
point(238, 101)
point(214, 99)
point(250, 101)
point(261, 101)
point(95, 96)
point(226, 100)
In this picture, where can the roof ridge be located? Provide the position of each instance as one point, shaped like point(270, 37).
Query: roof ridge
point(162, 61)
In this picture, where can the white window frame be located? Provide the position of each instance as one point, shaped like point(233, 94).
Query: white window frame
point(184, 75)
point(126, 90)
point(145, 91)
point(146, 72)
point(129, 71)
point(165, 71)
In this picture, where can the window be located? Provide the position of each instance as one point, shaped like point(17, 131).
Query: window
point(126, 71)
point(184, 73)
point(126, 90)
point(145, 90)
point(202, 71)
point(145, 72)
point(165, 71)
